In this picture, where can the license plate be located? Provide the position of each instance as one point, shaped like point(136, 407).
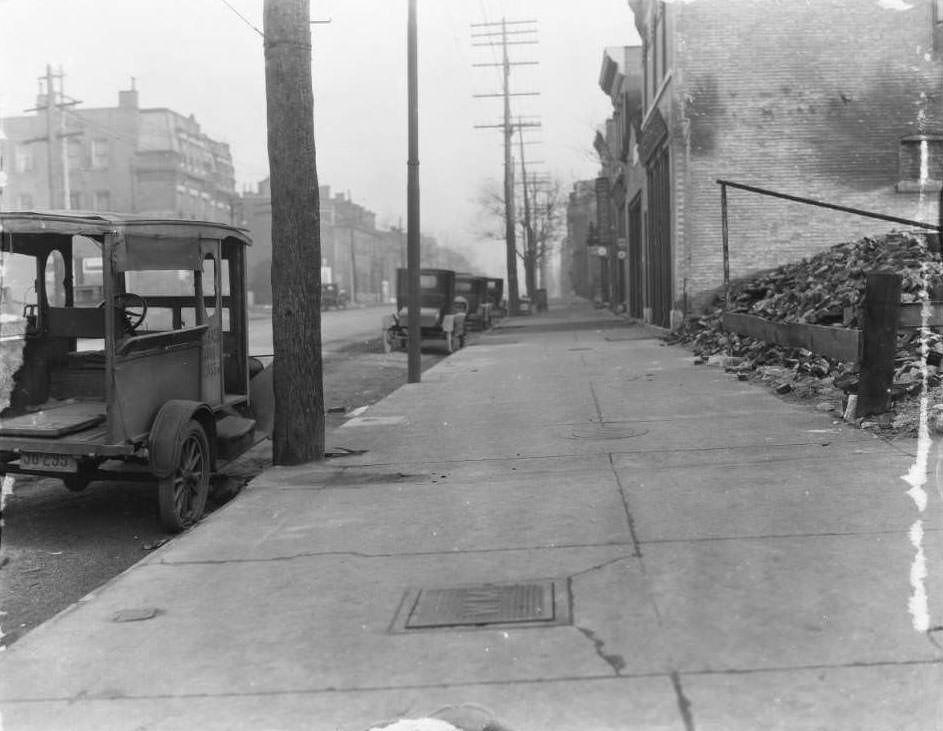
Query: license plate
point(42, 462)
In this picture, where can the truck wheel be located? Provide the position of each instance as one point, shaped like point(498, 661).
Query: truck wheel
point(75, 483)
point(182, 495)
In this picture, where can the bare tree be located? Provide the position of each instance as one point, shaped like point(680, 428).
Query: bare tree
point(298, 435)
point(547, 218)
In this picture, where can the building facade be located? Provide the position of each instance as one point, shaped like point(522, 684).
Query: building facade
point(580, 251)
point(356, 255)
point(839, 101)
point(124, 159)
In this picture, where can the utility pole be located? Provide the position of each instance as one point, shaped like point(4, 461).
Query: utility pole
point(56, 138)
point(414, 358)
point(530, 256)
point(50, 137)
point(488, 35)
point(298, 434)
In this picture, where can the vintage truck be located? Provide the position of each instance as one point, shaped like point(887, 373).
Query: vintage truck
point(152, 382)
point(474, 291)
point(440, 319)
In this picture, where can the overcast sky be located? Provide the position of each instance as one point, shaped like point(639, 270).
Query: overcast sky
point(199, 57)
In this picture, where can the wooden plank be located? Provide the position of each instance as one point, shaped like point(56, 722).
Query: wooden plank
point(878, 342)
point(838, 343)
point(911, 315)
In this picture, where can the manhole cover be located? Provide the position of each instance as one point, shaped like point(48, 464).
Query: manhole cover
point(534, 603)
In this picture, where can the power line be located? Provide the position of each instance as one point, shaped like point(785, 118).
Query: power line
point(243, 18)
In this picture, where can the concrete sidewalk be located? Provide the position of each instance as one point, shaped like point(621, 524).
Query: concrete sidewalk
point(688, 552)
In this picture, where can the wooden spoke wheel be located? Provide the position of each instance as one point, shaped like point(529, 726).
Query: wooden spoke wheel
point(182, 495)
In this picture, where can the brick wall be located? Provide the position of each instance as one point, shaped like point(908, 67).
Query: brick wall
point(808, 99)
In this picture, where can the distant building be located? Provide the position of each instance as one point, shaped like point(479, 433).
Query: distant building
point(580, 257)
point(837, 100)
point(125, 159)
point(355, 255)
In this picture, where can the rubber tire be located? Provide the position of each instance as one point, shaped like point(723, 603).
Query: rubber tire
point(75, 483)
point(182, 496)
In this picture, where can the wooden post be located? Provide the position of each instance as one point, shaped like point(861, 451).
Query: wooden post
point(879, 342)
point(726, 243)
point(298, 432)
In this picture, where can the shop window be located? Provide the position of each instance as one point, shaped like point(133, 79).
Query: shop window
point(102, 200)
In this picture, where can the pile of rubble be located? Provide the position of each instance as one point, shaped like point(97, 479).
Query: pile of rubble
point(827, 289)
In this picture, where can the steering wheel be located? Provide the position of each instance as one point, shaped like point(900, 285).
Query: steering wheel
point(133, 308)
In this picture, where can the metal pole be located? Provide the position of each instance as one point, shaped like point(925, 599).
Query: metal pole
point(723, 219)
point(414, 363)
point(831, 206)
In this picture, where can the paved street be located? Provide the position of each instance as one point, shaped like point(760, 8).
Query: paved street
point(688, 552)
point(338, 327)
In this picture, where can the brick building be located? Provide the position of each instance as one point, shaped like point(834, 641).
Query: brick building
point(355, 254)
point(127, 159)
point(837, 100)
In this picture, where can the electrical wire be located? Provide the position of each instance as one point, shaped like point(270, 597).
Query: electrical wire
point(243, 18)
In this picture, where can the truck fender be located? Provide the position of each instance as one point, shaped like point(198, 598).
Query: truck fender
point(163, 442)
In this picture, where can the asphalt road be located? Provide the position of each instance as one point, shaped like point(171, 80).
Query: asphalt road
point(338, 327)
point(58, 546)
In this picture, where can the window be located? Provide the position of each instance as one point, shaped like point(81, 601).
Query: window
point(75, 200)
point(75, 155)
point(100, 154)
point(102, 200)
point(24, 201)
point(920, 163)
point(23, 158)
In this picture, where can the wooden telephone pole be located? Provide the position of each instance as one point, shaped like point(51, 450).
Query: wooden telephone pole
point(496, 35)
point(298, 434)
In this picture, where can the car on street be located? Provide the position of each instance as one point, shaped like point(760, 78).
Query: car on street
point(333, 296)
point(440, 318)
point(153, 381)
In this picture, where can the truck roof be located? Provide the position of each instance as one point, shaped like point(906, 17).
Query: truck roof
point(89, 223)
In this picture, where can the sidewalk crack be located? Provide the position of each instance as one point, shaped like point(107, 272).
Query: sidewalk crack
point(616, 662)
point(625, 506)
point(684, 704)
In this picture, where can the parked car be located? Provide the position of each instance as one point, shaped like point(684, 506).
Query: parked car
point(152, 382)
point(440, 320)
point(333, 296)
point(474, 292)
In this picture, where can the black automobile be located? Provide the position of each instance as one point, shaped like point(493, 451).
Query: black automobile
point(333, 296)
